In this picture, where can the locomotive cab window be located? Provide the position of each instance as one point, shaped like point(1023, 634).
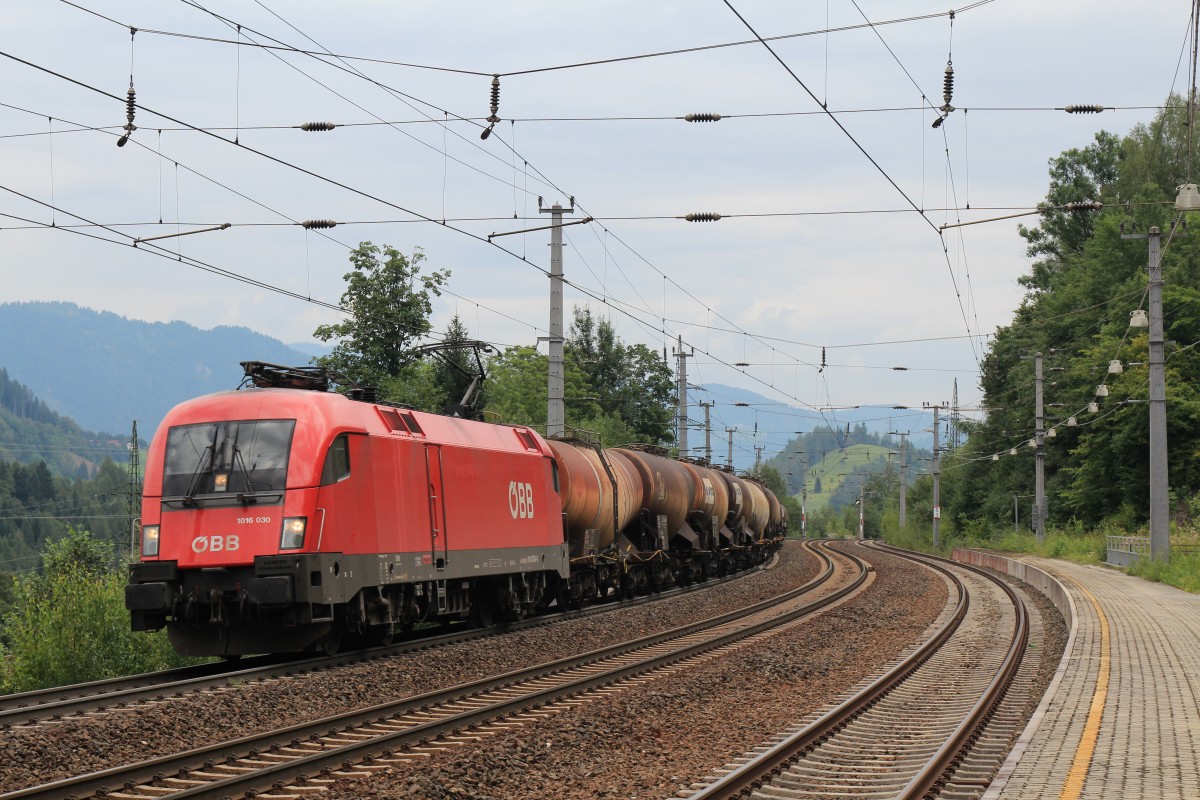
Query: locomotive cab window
point(337, 461)
point(233, 460)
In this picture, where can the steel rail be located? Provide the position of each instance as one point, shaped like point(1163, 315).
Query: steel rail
point(772, 762)
point(944, 761)
point(56, 703)
point(207, 757)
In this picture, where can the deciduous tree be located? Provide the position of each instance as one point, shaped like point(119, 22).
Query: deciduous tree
point(390, 302)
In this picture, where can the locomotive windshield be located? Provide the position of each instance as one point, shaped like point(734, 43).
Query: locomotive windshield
point(241, 460)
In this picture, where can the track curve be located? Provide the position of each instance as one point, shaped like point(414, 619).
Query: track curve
point(903, 734)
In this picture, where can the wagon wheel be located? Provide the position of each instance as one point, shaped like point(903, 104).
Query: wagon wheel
point(483, 604)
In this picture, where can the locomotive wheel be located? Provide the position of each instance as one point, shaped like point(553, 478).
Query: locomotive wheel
point(483, 604)
point(332, 643)
point(561, 600)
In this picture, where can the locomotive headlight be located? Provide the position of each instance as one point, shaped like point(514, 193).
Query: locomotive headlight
point(150, 540)
point(293, 533)
point(220, 481)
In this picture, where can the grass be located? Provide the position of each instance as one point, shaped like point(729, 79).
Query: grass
point(1182, 571)
point(1082, 548)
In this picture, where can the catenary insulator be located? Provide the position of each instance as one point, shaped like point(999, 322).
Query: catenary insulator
point(702, 117)
point(317, 126)
point(495, 99)
point(703, 216)
point(130, 110)
point(948, 84)
point(1084, 109)
point(318, 223)
point(1084, 205)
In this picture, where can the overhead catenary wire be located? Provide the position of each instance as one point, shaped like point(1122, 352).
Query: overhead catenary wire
point(601, 293)
point(865, 153)
point(610, 118)
point(331, 306)
point(533, 70)
point(195, 4)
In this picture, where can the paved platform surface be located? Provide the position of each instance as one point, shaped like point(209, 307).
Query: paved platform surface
point(1124, 721)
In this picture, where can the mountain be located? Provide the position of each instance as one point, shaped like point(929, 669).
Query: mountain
point(105, 370)
point(777, 422)
point(314, 349)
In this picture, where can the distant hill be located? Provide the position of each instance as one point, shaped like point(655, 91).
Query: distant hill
point(836, 469)
point(314, 349)
point(827, 463)
point(105, 370)
point(31, 432)
point(744, 410)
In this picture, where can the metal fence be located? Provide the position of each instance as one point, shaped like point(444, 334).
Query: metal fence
point(1126, 550)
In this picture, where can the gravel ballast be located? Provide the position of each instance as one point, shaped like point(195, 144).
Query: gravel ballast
point(76, 746)
point(657, 739)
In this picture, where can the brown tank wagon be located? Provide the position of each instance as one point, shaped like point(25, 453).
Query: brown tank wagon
point(636, 520)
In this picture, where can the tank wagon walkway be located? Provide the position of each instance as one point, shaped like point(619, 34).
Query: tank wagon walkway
point(1122, 716)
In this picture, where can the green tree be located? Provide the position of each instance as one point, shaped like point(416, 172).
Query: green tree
point(630, 382)
point(517, 390)
point(1083, 282)
point(454, 369)
point(772, 480)
point(69, 624)
point(1075, 176)
point(390, 303)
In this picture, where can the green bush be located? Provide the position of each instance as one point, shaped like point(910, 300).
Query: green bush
point(1183, 571)
point(69, 624)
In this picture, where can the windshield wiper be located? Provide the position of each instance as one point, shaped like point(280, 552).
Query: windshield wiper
point(189, 501)
point(249, 497)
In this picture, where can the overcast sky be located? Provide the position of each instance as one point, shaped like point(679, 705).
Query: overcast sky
point(769, 291)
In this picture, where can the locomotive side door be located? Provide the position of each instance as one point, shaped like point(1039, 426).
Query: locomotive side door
point(439, 545)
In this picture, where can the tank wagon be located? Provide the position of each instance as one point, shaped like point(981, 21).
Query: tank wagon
point(287, 517)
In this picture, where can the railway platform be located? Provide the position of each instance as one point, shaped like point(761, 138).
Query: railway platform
point(1122, 715)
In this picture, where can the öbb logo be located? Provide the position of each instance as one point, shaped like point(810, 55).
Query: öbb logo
point(520, 500)
point(215, 544)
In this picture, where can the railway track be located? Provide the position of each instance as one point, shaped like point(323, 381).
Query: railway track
point(301, 759)
point(909, 732)
point(115, 694)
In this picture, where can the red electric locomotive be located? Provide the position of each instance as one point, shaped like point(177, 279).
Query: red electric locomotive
point(287, 517)
point(281, 520)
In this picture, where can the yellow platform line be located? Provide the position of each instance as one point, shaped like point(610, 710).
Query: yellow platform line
point(1073, 786)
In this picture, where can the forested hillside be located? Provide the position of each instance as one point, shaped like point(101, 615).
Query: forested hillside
point(36, 507)
point(829, 463)
point(53, 474)
point(1083, 282)
point(31, 432)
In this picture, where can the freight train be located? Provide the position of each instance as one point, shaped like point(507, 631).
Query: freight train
point(286, 517)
